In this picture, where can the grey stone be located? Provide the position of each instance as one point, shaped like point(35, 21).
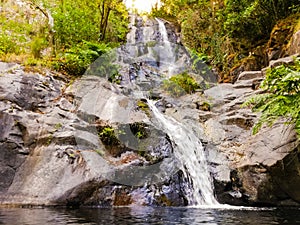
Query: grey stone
point(247, 75)
point(287, 60)
point(294, 47)
point(51, 153)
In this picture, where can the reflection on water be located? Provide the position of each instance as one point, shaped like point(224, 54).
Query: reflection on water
point(148, 215)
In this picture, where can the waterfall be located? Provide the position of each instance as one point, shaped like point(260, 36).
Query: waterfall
point(188, 148)
point(168, 51)
point(189, 151)
point(144, 63)
point(163, 30)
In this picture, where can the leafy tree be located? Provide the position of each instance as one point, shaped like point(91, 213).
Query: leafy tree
point(77, 20)
point(254, 19)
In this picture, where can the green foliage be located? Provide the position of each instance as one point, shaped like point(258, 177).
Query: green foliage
point(254, 19)
point(223, 28)
point(139, 130)
point(105, 66)
point(205, 106)
point(282, 97)
point(83, 20)
point(58, 126)
point(8, 45)
point(14, 29)
point(77, 20)
point(108, 136)
point(76, 60)
point(37, 45)
point(118, 24)
point(79, 33)
point(180, 84)
point(74, 22)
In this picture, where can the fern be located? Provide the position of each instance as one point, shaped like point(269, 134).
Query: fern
point(281, 98)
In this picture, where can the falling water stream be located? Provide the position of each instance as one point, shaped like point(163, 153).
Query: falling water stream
point(168, 49)
point(188, 149)
point(148, 60)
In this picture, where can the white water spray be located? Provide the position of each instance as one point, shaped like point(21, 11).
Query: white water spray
point(168, 54)
point(190, 153)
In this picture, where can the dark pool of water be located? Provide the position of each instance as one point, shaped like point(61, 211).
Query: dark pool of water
point(148, 215)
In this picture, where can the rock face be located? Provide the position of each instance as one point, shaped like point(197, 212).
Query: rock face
point(264, 168)
point(294, 47)
point(56, 149)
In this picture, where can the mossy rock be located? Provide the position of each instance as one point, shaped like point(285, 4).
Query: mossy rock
point(280, 37)
point(108, 137)
point(143, 106)
point(204, 106)
point(256, 61)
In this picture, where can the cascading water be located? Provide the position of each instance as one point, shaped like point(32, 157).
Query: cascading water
point(144, 63)
point(189, 151)
point(188, 148)
point(169, 55)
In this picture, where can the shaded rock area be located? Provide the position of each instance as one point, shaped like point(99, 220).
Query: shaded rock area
point(283, 42)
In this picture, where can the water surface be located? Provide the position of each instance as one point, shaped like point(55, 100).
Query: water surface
point(149, 215)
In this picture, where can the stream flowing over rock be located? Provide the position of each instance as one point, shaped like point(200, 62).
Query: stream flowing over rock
point(97, 141)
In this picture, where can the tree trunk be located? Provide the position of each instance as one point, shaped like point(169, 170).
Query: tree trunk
point(48, 15)
point(105, 11)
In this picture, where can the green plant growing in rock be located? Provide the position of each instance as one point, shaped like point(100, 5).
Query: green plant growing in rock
point(281, 98)
point(139, 130)
point(180, 85)
point(58, 126)
point(108, 136)
point(205, 106)
point(115, 78)
point(142, 105)
point(49, 140)
point(100, 152)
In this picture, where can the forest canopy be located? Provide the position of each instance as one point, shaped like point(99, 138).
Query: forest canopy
point(71, 33)
point(227, 31)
